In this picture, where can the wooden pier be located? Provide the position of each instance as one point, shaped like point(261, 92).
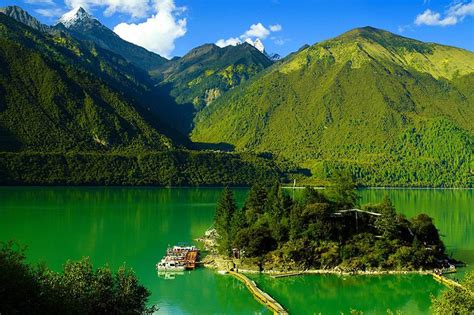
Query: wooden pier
point(446, 281)
point(288, 274)
point(260, 295)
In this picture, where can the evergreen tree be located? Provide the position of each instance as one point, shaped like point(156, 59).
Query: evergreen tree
point(274, 205)
point(256, 202)
point(238, 222)
point(344, 190)
point(426, 232)
point(387, 222)
point(225, 210)
point(311, 195)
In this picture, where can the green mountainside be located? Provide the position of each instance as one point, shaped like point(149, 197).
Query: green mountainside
point(74, 113)
point(61, 94)
point(208, 71)
point(392, 110)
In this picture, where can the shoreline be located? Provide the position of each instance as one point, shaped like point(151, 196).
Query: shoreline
point(295, 273)
point(222, 265)
point(384, 188)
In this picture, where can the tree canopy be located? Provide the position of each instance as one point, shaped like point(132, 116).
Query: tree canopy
point(313, 232)
point(78, 289)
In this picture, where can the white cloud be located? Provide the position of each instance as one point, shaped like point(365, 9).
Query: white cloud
point(40, 2)
point(275, 28)
point(404, 28)
point(434, 18)
point(257, 30)
point(50, 12)
point(48, 8)
point(233, 41)
point(159, 32)
point(453, 15)
point(135, 8)
point(279, 41)
point(462, 10)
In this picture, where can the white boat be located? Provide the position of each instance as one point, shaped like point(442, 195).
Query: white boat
point(164, 265)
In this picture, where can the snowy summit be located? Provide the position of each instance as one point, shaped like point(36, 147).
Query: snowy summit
point(257, 44)
point(74, 16)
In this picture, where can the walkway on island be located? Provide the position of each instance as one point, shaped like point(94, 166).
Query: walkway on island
point(446, 281)
point(260, 295)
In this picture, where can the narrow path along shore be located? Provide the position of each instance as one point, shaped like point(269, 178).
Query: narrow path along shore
point(259, 294)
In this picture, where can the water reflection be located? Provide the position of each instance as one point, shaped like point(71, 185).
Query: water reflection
point(135, 225)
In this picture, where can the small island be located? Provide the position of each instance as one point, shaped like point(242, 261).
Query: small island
point(324, 231)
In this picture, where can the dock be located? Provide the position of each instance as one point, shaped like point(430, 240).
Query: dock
point(446, 281)
point(288, 274)
point(260, 295)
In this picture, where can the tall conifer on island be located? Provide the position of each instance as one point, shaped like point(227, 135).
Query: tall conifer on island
point(387, 222)
point(344, 190)
point(225, 210)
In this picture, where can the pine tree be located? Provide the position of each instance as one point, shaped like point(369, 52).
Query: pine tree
point(237, 223)
point(225, 210)
point(255, 203)
point(343, 191)
point(387, 222)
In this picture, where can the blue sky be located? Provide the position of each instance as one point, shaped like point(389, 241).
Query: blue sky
point(173, 27)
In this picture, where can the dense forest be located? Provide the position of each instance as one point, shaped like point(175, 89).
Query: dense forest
point(72, 112)
point(345, 104)
point(392, 110)
point(325, 230)
point(166, 168)
point(78, 289)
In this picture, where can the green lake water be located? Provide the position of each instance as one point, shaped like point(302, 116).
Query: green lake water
point(135, 225)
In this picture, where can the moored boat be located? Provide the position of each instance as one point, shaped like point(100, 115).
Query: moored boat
point(178, 258)
point(170, 265)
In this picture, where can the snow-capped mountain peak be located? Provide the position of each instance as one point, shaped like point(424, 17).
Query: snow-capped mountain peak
point(74, 17)
point(257, 44)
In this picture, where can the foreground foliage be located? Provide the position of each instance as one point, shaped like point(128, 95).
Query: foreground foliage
point(458, 301)
point(277, 232)
point(78, 289)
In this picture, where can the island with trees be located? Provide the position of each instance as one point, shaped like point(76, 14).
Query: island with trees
point(325, 231)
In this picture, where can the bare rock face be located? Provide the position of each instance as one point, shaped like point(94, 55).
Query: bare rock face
point(24, 17)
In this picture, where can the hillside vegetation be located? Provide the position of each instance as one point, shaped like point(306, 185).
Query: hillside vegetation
point(392, 110)
point(165, 168)
point(74, 113)
point(207, 71)
point(61, 94)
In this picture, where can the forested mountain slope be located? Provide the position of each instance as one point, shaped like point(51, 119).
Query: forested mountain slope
point(208, 71)
point(74, 113)
point(61, 94)
point(393, 110)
